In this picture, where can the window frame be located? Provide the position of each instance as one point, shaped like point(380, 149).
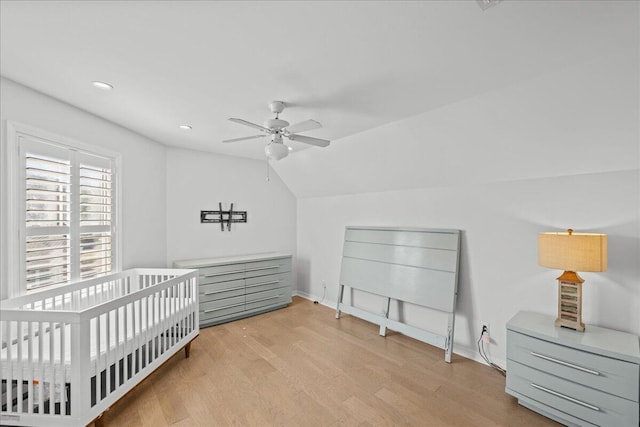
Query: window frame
point(16, 204)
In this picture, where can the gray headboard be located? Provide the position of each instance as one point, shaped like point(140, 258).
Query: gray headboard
point(415, 265)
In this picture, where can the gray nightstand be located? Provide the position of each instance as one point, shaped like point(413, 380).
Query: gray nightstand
point(577, 378)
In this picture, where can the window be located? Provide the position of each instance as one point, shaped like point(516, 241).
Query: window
point(66, 216)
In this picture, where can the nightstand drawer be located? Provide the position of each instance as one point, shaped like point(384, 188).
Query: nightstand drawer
point(599, 372)
point(571, 398)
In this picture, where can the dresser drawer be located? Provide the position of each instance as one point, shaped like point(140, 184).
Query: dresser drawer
point(218, 304)
point(603, 373)
point(263, 268)
point(271, 281)
point(268, 298)
point(221, 290)
point(577, 400)
point(214, 315)
point(221, 273)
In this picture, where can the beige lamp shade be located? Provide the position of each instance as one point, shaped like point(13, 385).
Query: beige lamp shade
point(573, 251)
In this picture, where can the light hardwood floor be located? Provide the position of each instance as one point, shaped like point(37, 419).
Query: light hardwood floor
point(300, 366)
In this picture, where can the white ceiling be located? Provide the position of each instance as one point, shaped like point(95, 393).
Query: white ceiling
point(352, 65)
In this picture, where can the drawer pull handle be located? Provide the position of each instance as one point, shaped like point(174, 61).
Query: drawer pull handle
point(570, 399)
point(223, 290)
point(223, 273)
point(269, 267)
point(265, 299)
point(222, 308)
point(562, 362)
point(264, 283)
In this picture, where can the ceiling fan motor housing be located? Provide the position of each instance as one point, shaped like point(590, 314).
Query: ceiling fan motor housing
point(276, 124)
point(276, 106)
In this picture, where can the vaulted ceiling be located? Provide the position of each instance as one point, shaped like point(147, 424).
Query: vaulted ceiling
point(351, 65)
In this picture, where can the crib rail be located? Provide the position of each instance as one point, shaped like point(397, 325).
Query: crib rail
point(69, 353)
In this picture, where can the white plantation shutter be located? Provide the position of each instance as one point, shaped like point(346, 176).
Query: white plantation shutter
point(47, 219)
point(96, 193)
point(69, 216)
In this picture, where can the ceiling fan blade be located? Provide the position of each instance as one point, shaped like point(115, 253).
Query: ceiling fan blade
point(253, 125)
point(244, 138)
point(304, 126)
point(309, 140)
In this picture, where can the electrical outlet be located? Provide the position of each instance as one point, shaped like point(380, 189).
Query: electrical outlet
point(484, 327)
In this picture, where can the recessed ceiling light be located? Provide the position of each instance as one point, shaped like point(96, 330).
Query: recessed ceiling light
point(290, 148)
point(185, 127)
point(102, 85)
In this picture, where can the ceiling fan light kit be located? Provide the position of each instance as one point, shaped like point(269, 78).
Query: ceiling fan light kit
point(278, 128)
point(276, 151)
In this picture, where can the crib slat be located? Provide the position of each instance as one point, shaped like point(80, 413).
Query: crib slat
point(150, 328)
point(29, 380)
point(108, 350)
point(51, 368)
point(172, 309)
point(138, 332)
point(180, 304)
point(96, 362)
point(125, 339)
point(161, 326)
point(118, 375)
point(30, 365)
point(58, 369)
point(183, 304)
point(143, 332)
point(148, 336)
point(63, 365)
point(41, 364)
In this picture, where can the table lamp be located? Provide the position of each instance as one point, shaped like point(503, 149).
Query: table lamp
point(572, 252)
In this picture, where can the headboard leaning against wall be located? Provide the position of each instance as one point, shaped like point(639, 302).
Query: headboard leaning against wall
point(414, 265)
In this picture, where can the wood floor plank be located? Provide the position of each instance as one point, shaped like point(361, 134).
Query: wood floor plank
point(300, 366)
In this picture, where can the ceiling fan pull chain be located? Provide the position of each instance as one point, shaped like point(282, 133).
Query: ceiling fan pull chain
point(268, 179)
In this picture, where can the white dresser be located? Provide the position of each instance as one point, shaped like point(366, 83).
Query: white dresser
point(577, 378)
point(240, 286)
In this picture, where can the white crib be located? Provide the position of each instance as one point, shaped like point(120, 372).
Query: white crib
point(70, 352)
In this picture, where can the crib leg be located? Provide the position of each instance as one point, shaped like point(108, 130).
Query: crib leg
point(187, 349)
point(99, 422)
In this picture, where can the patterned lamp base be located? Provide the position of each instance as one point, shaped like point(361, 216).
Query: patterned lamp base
point(570, 301)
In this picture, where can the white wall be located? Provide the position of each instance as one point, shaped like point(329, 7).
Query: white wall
point(559, 151)
point(500, 222)
point(143, 170)
point(163, 189)
point(199, 181)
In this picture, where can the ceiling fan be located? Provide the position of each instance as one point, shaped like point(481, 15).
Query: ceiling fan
point(277, 128)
